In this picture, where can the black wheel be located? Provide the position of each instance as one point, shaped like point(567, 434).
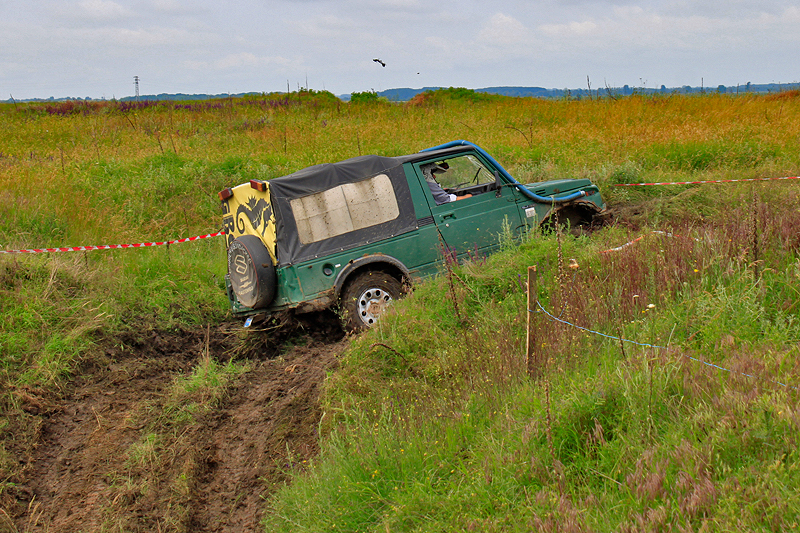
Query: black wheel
point(252, 274)
point(366, 297)
point(570, 219)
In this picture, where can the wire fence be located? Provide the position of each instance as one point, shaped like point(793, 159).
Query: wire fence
point(550, 316)
point(700, 182)
point(540, 309)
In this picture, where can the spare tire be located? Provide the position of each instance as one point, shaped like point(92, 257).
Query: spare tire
point(251, 271)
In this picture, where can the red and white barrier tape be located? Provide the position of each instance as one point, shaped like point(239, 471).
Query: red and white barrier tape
point(109, 246)
point(634, 241)
point(618, 248)
point(701, 182)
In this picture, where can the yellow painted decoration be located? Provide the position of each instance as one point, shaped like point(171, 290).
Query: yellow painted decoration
point(249, 212)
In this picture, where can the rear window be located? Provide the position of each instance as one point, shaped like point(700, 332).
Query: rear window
point(348, 207)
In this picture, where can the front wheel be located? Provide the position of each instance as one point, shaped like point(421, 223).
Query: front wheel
point(570, 219)
point(366, 297)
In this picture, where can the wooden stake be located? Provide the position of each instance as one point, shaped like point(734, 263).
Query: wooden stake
point(530, 342)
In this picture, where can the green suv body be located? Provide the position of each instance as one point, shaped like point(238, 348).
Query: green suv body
point(357, 233)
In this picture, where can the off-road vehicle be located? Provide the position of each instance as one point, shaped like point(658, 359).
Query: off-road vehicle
point(359, 232)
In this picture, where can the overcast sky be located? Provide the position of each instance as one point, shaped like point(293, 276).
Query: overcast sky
point(94, 48)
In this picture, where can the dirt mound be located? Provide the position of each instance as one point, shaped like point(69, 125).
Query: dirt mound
point(213, 475)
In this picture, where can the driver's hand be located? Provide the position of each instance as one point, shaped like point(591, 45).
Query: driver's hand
point(463, 197)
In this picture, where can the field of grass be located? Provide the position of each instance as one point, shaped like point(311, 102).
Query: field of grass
point(694, 428)
point(432, 422)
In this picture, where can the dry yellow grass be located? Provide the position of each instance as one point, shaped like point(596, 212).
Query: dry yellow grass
point(58, 166)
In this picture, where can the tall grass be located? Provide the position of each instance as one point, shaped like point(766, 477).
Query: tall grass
point(457, 419)
point(433, 424)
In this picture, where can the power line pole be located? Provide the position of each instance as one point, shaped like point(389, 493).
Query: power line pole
point(136, 84)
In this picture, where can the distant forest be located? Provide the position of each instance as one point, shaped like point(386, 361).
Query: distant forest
point(406, 94)
point(403, 95)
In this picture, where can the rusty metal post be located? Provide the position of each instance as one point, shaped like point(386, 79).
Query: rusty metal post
point(530, 342)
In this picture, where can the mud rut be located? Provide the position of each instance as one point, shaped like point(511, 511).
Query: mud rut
point(238, 453)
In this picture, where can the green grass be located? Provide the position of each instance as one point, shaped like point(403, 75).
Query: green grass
point(432, 423)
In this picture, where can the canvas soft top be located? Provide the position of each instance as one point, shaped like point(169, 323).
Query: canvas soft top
point(327, 175)
point(319, 178)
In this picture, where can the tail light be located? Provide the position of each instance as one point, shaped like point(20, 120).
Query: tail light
point(259, 185)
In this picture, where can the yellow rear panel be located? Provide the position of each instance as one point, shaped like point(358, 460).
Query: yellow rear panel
point(249, 212)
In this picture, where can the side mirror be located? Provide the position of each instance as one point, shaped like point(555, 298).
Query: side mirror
point(498, 185)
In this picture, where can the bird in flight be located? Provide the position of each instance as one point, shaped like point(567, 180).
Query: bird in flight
point(379, 61)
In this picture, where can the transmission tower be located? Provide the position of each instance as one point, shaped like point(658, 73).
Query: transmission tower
point(136, 84)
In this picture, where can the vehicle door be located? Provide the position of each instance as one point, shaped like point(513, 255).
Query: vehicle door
point(483, 209)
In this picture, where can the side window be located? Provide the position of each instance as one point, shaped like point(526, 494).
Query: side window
point(348, 207)
point(462, 172)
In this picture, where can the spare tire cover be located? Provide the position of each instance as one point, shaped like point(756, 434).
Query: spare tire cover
point(251, 271)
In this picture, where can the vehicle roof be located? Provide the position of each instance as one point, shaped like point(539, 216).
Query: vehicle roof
point(322, 177)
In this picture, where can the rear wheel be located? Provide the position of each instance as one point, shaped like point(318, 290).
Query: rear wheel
point(366, 297)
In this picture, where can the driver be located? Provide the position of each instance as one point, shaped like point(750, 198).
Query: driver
point(440, 196)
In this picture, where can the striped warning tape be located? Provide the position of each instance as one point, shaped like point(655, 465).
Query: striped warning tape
point(637, 239)
point(701, 182)
point(630, 243)
point(109, 246)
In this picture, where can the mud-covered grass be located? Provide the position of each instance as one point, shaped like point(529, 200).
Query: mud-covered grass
point(171, 431)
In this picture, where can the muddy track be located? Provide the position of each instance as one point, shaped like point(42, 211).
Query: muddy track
point(81, 478)
point(267, 429)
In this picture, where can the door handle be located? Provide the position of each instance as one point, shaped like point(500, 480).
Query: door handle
point(445, 216)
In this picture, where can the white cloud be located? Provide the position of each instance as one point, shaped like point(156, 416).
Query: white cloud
point(503, 30)
point(327, 27)
point(103, 10)
point(629, 29)
point(441, 47)
point(399, 4)
point(152, 37)
point(210, 45)
point(169, 6)
point(244, 60)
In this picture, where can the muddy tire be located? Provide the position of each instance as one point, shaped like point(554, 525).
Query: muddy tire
point(572, 220)
point(366, 297)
